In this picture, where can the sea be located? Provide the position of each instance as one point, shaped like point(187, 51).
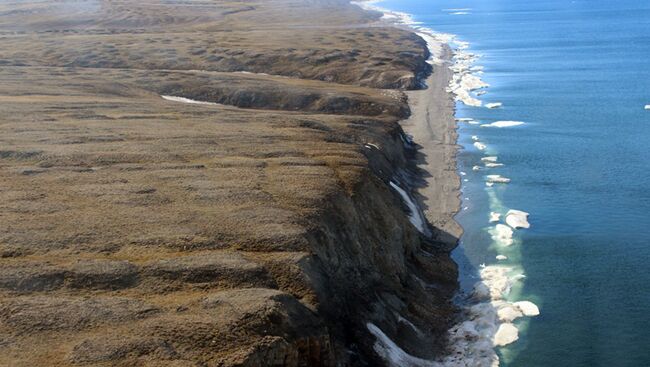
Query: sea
point(577, 74)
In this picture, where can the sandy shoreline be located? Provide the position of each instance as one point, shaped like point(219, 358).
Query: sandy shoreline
point(433, 128)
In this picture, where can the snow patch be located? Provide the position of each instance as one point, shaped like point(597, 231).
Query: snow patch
point(187, 100)
point(415, 216)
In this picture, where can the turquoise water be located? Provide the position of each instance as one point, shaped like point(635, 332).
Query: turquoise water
point(578, 73)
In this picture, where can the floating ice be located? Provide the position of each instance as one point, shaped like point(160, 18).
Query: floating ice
point(480, 146)
point(493, 165)
point(497, 281)
point(492, 159)
point(502, 257)
point(475, 138)
point(476, 168)
point(494, 217)
point(503, 234)
point(509, 313)
point(489, 184)
point(506, 334)
point(472, 340)
point(371, 145)
point(494, 105)
point(527, 308)
point(504, 124)
point(414, 216)
point(464, 79)
point(187, 100)
point(497, 179)
point(517, 219)
point(647, 107)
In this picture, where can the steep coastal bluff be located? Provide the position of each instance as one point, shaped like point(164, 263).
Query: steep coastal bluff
point(249, 218)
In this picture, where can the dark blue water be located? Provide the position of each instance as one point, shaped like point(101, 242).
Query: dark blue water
point(578, 73)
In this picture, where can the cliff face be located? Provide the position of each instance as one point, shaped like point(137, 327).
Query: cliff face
point(261, 230)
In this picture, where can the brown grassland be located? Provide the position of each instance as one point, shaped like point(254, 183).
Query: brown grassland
point(138, 231)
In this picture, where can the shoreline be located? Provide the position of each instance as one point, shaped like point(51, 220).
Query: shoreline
point(433, 128)
point(486, 316)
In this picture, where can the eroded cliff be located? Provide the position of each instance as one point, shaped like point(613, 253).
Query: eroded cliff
point(261, 230)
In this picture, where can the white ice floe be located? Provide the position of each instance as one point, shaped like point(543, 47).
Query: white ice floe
point(187, 100)
point(415, 216)
point(506, 334)
point(497, 179)
point(494, 217)
point(476, 168)
point(371, 145)
point(509, 313)
point(504, 124)
point(479, 145)
point(497, 281)
point(489, 184)
point(503, 234)
point(475, 138)
point(517, 219)
point(527, 308)
point(502, 257)
point(494, 105)
point(493, 165)
point(487, 323)
point(465, 78)
point(462, 173)
point(647, 107)
point(491, 159)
